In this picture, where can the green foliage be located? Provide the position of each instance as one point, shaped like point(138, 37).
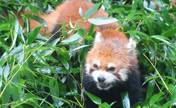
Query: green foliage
point(30, 77)
point(154, 31)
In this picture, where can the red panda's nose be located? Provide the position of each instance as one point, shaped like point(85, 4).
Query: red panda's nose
point(101, 78)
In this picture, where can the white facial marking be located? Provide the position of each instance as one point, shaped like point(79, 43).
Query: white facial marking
point(97, 62)
point(123, 74)
point(111, 64)
point(98, 38)
point(109, 78)
point(87, 67)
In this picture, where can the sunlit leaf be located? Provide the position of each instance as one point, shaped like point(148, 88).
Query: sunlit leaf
point(151, 86)
point(155, 98)
point(64, 62)
point(17, 50)
point(102, 20)
point(6, 71)
point(104, 105)
point(94, 98)
point(53, 88)
point(33, 34)
point(81, 12)
point(125, 100)
point(73, 38)
point(170, 32)
point(92, 10)
point(15, 32)
point(38, 19)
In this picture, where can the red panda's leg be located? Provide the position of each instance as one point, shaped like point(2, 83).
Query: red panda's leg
point(134, 87)
point(56, 33)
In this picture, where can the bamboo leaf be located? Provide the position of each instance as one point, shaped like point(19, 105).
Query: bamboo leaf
point(104, 105)
point(155, 98)
point(125, 99)
point(92, 10)
point(94, 98)
point(33, 34)
point(38, 19)
point(102, 21)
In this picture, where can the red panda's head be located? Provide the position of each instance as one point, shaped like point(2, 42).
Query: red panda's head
point(110, 58)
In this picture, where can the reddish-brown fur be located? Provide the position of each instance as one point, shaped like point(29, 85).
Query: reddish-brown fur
point(66, 12)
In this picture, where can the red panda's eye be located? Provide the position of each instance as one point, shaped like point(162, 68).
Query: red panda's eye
point(111, 69)
point(95, 66)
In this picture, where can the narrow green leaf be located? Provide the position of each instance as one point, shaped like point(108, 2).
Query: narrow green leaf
point(71, 25)
point(0, 84)
point(73, 38)
point(54, 90)
point(94, 98)
point(3, 17)
point(64, 62)
point(33, 34)
point(173, 97)
point(75, 70)
point(6, 71)
point(150, 89)
point(21, 57)
point(64, 30)
point(125, 100)
point(15, 32)
point(2, 61)
point(38, 19)
point(40, 5)
point(102, 20)
point(166, 1)
point(6, 95)
point(149, 25)
point(16, 94)
point(155, 98)
point(163, 39)
point(80, 47)
point(81, 12)
point(92, 10)
point(104, 105)
point(52, 59)
point(17, 50)
point(170, 32)
point(167, 104)
point(165, 14)
point(1, 74)
point(91, 30)
point(134, 5)
point(54, 43)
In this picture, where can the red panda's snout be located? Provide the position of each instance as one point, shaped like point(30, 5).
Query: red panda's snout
point(106, 77)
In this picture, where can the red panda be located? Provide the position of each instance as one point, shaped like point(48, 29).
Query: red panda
point(111, 68)
point(111, 65)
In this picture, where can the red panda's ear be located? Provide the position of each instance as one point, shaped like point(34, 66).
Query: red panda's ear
point(131, 45)
point(98, 38)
